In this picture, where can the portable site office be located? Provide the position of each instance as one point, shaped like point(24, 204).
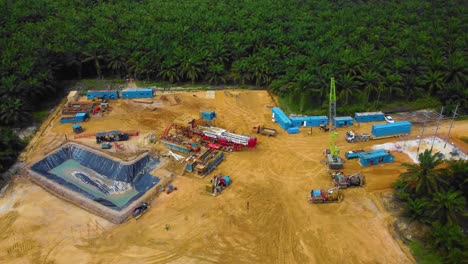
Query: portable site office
point(137, 93)
point(308, 121)
point(102, 94)
point(375, 157)
point(343, 121)
point(280, 117)
point(369, 117)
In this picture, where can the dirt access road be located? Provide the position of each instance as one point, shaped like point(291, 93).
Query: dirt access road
point(263, 217)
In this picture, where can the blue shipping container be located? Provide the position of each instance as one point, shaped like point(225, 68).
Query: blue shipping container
point(309, 121)
point(176, 147)
point(137, 93)
point(397, 128)
point(79, 117)
point(343, 121)
point(375, 157)
point(353, 154)
point(298, 121)
point(102, 94)
point(280, 118)
point(317, 120)
point(369, 117)
point(208, 115)
point(293, 130)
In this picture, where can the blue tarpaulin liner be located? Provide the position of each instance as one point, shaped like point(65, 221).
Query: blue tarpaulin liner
point(137, 174)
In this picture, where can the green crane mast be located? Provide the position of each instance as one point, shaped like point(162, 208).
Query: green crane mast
point(333, 154)
point(332, 114)
point(332, 110)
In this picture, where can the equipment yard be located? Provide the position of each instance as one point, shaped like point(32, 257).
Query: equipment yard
point(263, 217)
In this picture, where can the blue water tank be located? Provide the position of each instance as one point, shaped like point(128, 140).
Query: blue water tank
point(316, 193)
point(227, 179)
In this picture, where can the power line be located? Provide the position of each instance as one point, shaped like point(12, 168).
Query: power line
point(437, 127)
point(426, 117)
point(451, 125)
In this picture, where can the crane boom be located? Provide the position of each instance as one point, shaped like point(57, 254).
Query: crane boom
point(332, 114)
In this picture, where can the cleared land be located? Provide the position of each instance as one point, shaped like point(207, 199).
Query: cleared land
point(263, 217)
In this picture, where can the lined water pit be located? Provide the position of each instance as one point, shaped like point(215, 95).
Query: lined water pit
point(413, 148)
point(99, 183)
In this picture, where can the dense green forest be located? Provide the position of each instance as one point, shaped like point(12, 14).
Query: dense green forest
point(435, 194)
point(378, 51)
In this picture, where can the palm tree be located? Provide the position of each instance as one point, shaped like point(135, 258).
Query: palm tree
point(370, 79)
point(118, 64)
point(446, 205)
point(215, 74)
point(169, 73)
point(423, 178)
point(456, 172)
point(95, 57)
point(13, 111)
point(434, 80)
point(191, 69)
point(379, 89)
point(10, 147)
point(347, 84)
point(417, 209)
point(445, 238)
point(9, 87)
point(240, 71)
point(393, 82)
point(302, 87)
point(457, 70)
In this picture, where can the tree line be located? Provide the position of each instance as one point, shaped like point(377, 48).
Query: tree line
point(378, 51)
point(435, 192)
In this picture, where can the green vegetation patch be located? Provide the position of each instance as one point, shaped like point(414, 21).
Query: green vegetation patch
point(424, 255)
point(40, 116)
point(98, 84)
point(435, 192)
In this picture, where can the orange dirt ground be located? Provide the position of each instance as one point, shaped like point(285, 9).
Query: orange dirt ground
point(263, 217)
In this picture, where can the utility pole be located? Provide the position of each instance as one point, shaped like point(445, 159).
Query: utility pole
point(437, 127)
point(426, 116)
point(451, 125)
